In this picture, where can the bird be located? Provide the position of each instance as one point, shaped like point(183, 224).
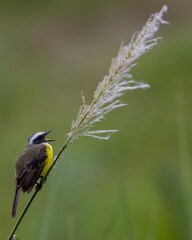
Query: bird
point(32, 163)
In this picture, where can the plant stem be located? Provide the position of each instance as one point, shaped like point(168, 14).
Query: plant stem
point(38, 188)
point(62, 150)
point(22, 215)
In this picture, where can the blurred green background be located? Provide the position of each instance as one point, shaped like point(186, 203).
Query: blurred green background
point(137, 185)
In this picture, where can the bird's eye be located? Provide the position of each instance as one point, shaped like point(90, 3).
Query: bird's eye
point(40, 137)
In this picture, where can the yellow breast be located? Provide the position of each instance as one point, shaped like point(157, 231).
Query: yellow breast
point(49, 160)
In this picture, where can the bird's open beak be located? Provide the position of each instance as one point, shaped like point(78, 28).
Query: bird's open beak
point(48, 140)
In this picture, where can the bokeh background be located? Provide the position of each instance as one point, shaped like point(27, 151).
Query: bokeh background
point(137, 185)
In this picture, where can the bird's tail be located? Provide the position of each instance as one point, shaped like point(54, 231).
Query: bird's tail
point(16, 198)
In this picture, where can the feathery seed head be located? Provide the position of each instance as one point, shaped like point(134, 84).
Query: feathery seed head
point(119, 80)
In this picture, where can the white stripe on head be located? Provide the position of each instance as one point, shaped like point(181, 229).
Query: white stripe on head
point(34, 136)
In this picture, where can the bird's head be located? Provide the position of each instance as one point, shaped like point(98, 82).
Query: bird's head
point(39, 137)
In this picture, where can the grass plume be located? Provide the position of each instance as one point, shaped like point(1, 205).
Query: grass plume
point(118, 81)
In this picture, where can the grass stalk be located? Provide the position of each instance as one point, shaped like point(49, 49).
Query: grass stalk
point(107, 96)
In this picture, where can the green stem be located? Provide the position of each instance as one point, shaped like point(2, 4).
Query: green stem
point(22, 215)
point(38, 188)
point(62, 150)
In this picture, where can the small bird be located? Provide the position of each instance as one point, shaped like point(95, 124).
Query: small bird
point(31, 164)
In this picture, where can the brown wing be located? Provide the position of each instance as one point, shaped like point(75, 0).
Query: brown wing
point(29, 166)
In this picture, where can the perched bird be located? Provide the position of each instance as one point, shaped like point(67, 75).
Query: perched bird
point(31, 164)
